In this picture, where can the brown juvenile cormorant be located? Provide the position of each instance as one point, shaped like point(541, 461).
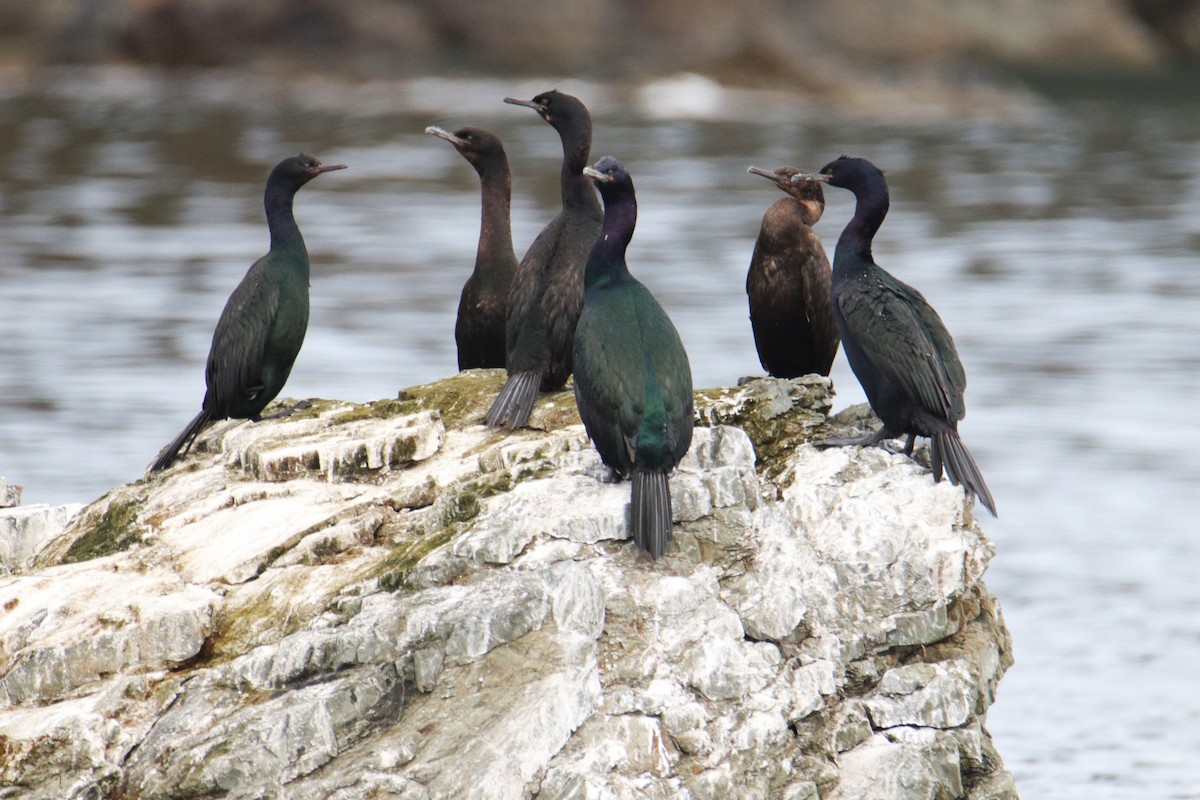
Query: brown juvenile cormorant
point(547, 291)
point(896, 344)
point(788, 283)
point(262, 327)
point(633, 383)
point(479, 330)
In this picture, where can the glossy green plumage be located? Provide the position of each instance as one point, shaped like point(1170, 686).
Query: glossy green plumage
point(631, 367)
point(633, 382)
point(262, 326)
point(259, 334)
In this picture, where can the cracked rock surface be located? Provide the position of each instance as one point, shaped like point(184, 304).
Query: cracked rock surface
point(391, 601)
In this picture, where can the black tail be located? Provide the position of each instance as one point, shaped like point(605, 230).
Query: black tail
point(514, 404)
point(650, 512)
point(183, 441)
point(946, 449)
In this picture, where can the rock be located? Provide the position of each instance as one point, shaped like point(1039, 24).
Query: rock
point(929, 695)
point(389, 600)
point(883, 768)
point(10, 495)
point(25, 530)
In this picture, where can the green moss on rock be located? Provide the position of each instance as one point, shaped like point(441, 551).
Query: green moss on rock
point(114, 530)
point(462, 503)
point(778, 415)
point(462, 399)
point(376, 409)
point(394, 571)
point(450, 514)
point(555, 411)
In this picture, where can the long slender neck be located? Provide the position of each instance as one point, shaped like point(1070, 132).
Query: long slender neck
point(871, 206)
point(606, 263)
point(285, 234)
point(495, 228)
point(577, 189)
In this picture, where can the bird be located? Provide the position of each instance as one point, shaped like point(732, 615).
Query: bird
point(259, 333)
point(633, 382)
point(479, 329)
point(788, 283)
point(895, 342)
point(547, 290)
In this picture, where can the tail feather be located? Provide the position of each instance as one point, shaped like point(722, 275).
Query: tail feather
point(650, 512)
point(183, 441)
point(514, 404)
point(948, 450)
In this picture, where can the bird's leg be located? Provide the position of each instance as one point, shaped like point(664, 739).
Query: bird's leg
point(907, 450)
point(865, 440)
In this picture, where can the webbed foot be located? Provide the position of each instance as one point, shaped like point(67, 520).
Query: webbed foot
point(287, 412)
point(864, 440)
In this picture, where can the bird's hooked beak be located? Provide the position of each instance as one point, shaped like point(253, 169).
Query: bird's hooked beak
point(319, 168)
point(597, 175)
point(542, 110)
point(766, 173)
point(445, 134)
point(527, 103)
point(802, 177)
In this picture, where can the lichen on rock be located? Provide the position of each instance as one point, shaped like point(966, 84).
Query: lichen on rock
point(390, 600)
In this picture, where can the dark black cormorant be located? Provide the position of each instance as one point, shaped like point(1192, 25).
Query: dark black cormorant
point(479, 331)
point(788, 283)
point(633, 383)
point(896, 343)
point(547, 291)
point(262, 327)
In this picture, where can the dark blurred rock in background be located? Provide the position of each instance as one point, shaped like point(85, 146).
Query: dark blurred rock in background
point(805, 44)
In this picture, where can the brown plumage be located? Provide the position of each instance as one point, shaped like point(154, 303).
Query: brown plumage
point(788, 283)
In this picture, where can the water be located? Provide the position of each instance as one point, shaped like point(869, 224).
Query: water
point(1061, 249)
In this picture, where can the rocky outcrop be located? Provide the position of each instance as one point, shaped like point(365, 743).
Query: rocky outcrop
point(391, 601)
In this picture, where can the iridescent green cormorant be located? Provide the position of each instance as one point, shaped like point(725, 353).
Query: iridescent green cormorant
point(896, 343)
point(479, 331)
point(262, 327)
point(547, 291)
point(788, 283)
point(633, 383)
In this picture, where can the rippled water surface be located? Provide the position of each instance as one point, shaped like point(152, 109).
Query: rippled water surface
point(1063, 252)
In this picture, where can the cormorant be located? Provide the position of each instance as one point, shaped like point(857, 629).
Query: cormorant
point(788, 283)
point(896, 343)
point(633, 383)
point(547, 291)
point(479, 330)
point(262, 327)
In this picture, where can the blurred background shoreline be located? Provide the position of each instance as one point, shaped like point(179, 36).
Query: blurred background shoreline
point(854, 52)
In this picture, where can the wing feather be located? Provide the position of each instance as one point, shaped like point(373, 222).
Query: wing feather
point(907, 342)
point(235, 362)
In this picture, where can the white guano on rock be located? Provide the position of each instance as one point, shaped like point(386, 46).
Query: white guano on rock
point(391, 600)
